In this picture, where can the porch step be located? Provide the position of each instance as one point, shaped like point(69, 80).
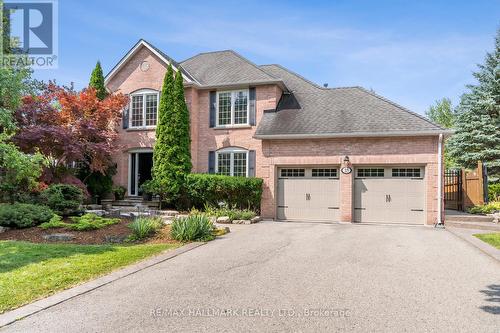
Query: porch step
point(130, 203)
point(473, 225)
point(469, 218)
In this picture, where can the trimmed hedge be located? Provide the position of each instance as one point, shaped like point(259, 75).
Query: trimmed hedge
point(21, 215)
point(208, 189)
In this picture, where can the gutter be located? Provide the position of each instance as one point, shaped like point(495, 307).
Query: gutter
point(441, 133)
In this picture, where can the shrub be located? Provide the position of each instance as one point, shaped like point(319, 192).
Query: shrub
point(143, 227)
point(192, 228)
point(90, 222)
point(232, 213)
point(238, 192)
point(486, 209)
point(55, 222)
point(494, 192)
point(21, 215)
point(64, 199)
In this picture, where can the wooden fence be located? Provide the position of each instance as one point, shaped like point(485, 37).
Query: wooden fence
point(464, 188)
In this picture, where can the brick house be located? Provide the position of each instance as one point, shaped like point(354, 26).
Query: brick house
point(325, 154)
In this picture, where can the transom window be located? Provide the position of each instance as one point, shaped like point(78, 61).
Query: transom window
point(292, 172)
point(232, 107)
point(324, 172)
point(232, 162)
point(370, 172)
point(406, 172)
point(144, 108)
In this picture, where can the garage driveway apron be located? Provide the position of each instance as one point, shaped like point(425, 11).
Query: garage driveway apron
point(380, 278)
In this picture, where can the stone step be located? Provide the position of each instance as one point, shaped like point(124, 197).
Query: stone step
point(473, 225)
point(130, 203)
point(469, 218)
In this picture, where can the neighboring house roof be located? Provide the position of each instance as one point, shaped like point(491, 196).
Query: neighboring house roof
point(313, 111)
point(224, 68)
point(165, 58)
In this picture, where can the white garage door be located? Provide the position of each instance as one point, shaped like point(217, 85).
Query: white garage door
point(308, 194)
point(389, 195)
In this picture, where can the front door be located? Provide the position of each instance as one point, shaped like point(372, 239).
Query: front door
point(141, 165)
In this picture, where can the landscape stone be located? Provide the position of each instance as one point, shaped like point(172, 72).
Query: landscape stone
point(239, 222)
point(4, 229)
point(223, 219)
point(114, 239)
point(255, 219)
point(59, 237)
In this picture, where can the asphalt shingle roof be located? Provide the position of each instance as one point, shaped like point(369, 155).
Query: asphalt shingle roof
point(224, 68)
point(315, 110)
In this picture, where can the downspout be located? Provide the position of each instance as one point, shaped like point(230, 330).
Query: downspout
point(440, 182)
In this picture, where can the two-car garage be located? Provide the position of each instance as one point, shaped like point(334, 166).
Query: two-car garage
point(381, 194)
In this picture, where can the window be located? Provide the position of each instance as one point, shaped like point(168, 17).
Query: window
point(232, 162)
point(292, 172)
point(406, 172)
point(370, 172)
point(144, 109)
point(232, 108)
point(324, 173)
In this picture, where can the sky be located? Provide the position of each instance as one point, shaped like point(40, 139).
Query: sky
point(412, 52)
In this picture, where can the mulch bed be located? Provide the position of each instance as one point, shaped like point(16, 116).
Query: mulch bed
point(35, 234)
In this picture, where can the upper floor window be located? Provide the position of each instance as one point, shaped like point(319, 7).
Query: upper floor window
point(232, 108)
point(232, 162)
point(144, 108)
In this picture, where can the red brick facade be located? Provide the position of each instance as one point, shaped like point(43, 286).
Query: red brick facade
point(270, 154)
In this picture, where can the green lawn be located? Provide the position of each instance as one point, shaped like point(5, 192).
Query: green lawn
point(31, 271)
point(493, 239)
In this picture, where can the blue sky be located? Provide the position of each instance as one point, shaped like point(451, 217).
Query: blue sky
point(412, 52)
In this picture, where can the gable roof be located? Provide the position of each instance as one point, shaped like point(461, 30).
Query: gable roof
point(224, 68)
point(165, 58)
point(310, 110)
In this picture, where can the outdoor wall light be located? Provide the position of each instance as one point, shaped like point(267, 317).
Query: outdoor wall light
point(346, 159)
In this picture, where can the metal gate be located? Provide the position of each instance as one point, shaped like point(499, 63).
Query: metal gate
point(453, 195)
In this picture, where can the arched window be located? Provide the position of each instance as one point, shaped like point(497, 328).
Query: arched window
point(144, 108)
point(231, 161)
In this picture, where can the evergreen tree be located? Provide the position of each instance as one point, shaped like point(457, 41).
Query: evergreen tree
point(477, 134)
point(182, 128)
point(97, 81)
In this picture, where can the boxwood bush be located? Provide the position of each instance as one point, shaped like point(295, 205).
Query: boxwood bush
point(22, 215)
point(64, 199)
point(211, 190)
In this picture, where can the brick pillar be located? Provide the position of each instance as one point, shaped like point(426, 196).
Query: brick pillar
point(346, 196)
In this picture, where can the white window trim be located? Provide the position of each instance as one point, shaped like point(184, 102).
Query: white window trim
point(143, 93)
point(232, 124)
point(231, 165)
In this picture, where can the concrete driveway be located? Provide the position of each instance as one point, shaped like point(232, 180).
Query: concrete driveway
point(298, 277)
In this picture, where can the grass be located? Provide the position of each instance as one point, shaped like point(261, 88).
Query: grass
point(30, 271)
point(493, 239)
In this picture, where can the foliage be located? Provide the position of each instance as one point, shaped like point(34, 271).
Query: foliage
point(90, 222)
point(68, 126)
point(172, 151)
point(64, 199)
point(477, 136)
point(494, 192)
point(55, 222)
point(211, 190)
point(98, 184)
point(442, 113)
point(97, 82)
point(143, 227)
point(493, 239)
point(148, 186)
point(119, 192)
point(232, 213)
point(486, 209)
point(32, 271)
point(21, 215)
point(192, 228)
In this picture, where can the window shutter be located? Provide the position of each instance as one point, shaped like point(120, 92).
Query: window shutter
point(211, 162)
point(213, 104)
point(125, 115)
point(251, 163)
point(252, 107)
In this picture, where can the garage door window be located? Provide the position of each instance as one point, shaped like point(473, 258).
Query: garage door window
point(370, 172)
point(324, 173)
point(292, 172)
point(406, 173)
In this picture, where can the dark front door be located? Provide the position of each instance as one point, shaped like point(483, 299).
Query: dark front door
point(144, 171)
